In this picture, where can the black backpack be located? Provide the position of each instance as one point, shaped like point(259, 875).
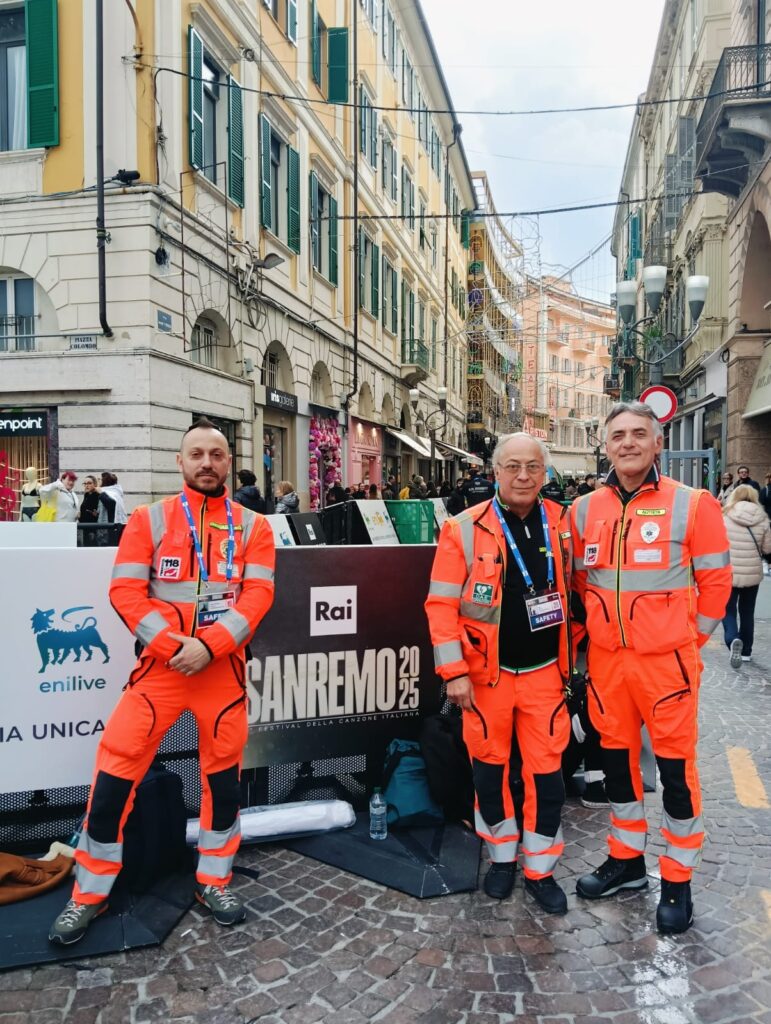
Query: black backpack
point(448, 765)
point(154, 835)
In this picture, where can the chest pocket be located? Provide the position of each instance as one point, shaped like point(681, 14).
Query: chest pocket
point(648, 543)
point(175, 557)
point(598, 546)
point(483, 587)
point(216, 551)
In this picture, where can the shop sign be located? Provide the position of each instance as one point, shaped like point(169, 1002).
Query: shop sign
point(365, 435)
point(280, 400)
point(33, 423)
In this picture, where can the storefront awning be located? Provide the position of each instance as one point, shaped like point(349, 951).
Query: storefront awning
point(760, 395)
point(469, 457)
point(418, 444)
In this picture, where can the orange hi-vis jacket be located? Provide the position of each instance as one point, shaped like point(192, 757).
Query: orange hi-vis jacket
point(654, 575)
point(156, 577)
point(469, 567)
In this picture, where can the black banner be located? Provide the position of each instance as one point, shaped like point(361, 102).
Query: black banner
point(23, 423)
point(343, 661)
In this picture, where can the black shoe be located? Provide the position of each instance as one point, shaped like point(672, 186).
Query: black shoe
point(594, 795)
point(613, 875)
point(547, 894)
point(675, 909)
point(499, 880)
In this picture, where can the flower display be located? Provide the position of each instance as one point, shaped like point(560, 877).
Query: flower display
point(325, 460)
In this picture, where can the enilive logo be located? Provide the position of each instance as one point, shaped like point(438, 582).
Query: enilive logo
point(333, 610)
point(31, 423)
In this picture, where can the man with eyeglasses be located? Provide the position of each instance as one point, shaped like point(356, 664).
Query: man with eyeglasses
point(652, 570)
point(500, 627)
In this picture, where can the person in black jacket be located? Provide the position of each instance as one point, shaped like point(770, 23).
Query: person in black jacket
point(477, 489)
point(456, 502)
point(248, 494)
point(765, 495)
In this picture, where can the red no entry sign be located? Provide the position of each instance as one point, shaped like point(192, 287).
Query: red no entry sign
point(662, 400)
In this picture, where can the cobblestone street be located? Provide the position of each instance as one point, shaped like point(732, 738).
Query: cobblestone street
point(321, 945)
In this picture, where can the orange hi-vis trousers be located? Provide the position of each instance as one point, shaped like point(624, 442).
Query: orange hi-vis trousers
point(516, 734)
point(626, 690)
point(153, 700)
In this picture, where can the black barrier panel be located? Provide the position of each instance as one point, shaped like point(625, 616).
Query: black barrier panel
point(306, 528)
point(342, 663)
point(99, 535)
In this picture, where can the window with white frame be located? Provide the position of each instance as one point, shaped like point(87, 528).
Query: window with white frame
point(554, 362)
point(13, 80)
point(369, 274)
point(367, 127)
point(579, 369)
point(434, 339)
point(203, 343)
point(434, 246)
point(408, 84)
point(566, 367)
point(279, 186)
point(17, 314)
point(390, 297)
point(388, 33)
point(422, 236)
point(388, 167)
point(324, 230)
point(269, 375)
point(285, 13)
point(370, 9)
point(408, 198)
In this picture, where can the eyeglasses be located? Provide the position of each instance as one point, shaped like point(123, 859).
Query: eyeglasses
point(515, 468)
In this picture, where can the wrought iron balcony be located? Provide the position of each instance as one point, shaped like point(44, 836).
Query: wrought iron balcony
point(414, 361)
point(658, 252)
point(611, 385)
point(735, 124)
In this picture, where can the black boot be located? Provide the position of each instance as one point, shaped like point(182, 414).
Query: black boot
point(675, 909)
point(499, 880)
point(613, 875)
point(547, 894)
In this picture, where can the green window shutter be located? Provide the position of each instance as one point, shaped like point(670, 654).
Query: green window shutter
point(42, 31)
point(293, 199)
point(195, 65)
point(315, 226)
point(385, 276)
point(412, 205)
point(373, 137)
point(394, 177)
point(394, 301)
point(404, 191)
point(332, 240)
point(375, 280)
point(235, 142)
point(411, 301)
point(266, 206)
point(465, 229)
point(291, 20)
point(337, 65)
point(362, 293)
point(404, 312)
point(315, 44)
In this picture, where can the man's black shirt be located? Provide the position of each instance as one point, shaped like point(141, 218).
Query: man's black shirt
point(478, 489)
point(518, 647)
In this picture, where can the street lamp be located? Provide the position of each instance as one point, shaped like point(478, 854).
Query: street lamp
point(654, 279)
point(594, 441)
point(441, 394)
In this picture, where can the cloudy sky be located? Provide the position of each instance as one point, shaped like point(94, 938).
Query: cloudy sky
point(518, 54)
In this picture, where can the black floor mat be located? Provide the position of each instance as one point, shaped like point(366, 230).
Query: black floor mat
point(131, 922)
point(423, 862)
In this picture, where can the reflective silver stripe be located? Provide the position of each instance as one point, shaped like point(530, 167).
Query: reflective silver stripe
point(237, 625)
point(634, 840)
point(257, 572)
point(157, 522)
point(676, 578)
point(466, 527)
point(148, 628)
point(582, 510)
point(97, 885)
point(578, 564)
point(683, 827)
point(112, 852)
point(209, 840)
point(173, 593)
point(439, 589)
point(480, 612)
point(506, 829)
point(681, 507)
point(447, 653)
point(705, 625)
point(214, 866)
point(248, 519)
point(633, 811)
point(534, 842)
point(502, 853)
point(719, 560)
point(131, 571)
point(688, 858)
point(540, 863)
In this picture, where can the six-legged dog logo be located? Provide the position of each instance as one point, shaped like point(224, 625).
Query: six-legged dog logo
point(55, 644)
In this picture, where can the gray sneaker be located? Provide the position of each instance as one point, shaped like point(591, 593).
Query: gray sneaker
point(736, 653)
point(72, 924)
point(225, 906)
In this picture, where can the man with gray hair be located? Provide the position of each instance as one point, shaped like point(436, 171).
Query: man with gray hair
point(500, 625)
point(652, 569)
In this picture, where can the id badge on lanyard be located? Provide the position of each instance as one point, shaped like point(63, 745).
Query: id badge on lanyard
point(544, 609)
point(211, 607)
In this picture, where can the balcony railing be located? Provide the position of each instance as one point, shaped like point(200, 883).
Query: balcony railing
point(17, 334)
point(658, 252)
point(744, 72)
point(415, 353)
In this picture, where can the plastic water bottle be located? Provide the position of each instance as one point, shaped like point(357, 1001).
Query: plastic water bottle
point(378, 821)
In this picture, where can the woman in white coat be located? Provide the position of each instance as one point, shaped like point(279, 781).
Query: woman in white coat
point(749, 534)
point(61, 494)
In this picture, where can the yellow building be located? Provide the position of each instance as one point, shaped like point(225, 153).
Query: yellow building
point(282, 257)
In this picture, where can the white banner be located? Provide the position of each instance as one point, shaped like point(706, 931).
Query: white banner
point(66, 657)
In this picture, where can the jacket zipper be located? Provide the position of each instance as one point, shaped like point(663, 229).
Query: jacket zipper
point(477, 712)
point(618, 574)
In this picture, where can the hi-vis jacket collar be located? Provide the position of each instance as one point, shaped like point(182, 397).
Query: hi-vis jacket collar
point(213, 504)
point(653, 477)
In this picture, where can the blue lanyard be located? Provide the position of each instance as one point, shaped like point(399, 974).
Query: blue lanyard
point(197, 540)
point(515, 550)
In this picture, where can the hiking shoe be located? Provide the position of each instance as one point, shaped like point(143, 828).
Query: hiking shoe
point(613, 875)
point(736, 653)
point(547, 894)
point(499, 880)
point(675, 909)
point(225, 906)
point(72, 924)
point(594, 795)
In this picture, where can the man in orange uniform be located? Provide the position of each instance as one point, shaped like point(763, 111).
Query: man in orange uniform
point(499, 622)
point(652, 569)
point(193, 577)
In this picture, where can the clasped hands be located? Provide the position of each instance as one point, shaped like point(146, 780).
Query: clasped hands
point(192, 657)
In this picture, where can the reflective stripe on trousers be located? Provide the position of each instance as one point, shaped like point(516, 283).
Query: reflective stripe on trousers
point(628, 829)
point(684, 838)
point(216, 851)
point(541, 853)
point(501, 840)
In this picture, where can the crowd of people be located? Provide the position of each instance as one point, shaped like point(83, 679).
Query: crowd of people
point(101, 502)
